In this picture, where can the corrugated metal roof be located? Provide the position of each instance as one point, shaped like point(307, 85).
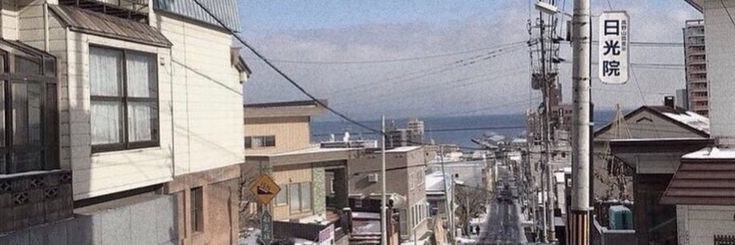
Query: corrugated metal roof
point(225, 10)
point(702, 182)
point(86, 21)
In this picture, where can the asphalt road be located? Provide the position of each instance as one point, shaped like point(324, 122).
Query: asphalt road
point(503, 221)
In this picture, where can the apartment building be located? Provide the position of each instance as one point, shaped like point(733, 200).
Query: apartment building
point(278, 143)
point(126, 121)
point(696, 67)
point(405, 182)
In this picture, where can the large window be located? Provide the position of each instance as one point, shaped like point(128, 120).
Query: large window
point(124, 93)
point(299, 197)
point(28, 113)
point(260, 141)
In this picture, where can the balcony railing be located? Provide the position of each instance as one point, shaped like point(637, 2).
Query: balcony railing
point(136, 10)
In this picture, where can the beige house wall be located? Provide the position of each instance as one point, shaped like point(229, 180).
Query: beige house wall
point(292, 133)
point(284, 176)
point(698, 224)
point(207, 108)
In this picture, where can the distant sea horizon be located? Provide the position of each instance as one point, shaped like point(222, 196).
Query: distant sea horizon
point(458, 130)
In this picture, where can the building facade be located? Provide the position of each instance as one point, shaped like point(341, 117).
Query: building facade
point(136, 83)
point(695, 61)
point(405, 181)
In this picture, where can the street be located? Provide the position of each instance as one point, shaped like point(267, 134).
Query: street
point(502, 225)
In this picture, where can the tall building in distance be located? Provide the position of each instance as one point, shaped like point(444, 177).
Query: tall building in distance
point(696, 67)
point(411, 136)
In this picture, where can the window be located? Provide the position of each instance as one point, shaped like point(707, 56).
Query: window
point(305, 196)
point(197, 212)
point(294, 202)
point(260, 141)
point(299, 197)
point(124, 99)
point(402, 220)
point(282, 196)
point(28, 111)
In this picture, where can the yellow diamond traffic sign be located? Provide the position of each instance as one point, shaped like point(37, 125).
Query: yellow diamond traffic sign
point(264, 189)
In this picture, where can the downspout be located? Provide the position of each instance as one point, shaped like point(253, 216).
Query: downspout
point(46, 41)
point(171, 107)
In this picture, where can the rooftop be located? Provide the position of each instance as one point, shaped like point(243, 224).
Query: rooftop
point(705, 177)
point(302, 108)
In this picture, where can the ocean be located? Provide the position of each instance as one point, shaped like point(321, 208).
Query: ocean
point(443, 130)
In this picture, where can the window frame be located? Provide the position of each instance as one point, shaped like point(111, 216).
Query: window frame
point(263, 139)
point(300, 200)
point(196, 199)
point(46, 79)
point(284, 191)
point(125, 101)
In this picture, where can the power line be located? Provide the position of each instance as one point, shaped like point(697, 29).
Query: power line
point(352, 62)
point(281, 73)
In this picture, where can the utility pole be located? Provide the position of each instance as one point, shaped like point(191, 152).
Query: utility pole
point(383, 202)
point(450, 219)
point(545, 93)
point(579, 222)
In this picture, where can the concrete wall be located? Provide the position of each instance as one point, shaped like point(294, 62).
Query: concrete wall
point(130, 224)
point(720, 67)
point(698, 224)
point(292, 133)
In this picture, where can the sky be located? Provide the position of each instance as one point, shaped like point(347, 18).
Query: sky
point(440, 58)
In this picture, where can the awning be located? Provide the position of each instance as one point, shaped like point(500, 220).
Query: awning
point(90, 22)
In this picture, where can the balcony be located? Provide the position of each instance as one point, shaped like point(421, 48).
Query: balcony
point(136, 10)
point(34, 198)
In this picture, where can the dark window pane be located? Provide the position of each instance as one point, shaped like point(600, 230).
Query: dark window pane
point(248, 142)
point(20, 113)
point(105, 71)
point(269, 141)
point(2, 113)
point(106, 122)
point(197, 214)
point(27, 65)
point(26, 161)
point(50, 67)
point(142, 119)
point(34, 113)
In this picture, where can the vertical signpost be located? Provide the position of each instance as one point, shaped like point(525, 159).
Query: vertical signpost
point(265, 189)
point(613, 47)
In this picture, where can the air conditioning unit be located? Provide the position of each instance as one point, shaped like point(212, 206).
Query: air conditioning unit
point(373, 178)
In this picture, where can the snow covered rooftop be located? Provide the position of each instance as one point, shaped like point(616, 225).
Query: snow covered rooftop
point(711, 153)
point(692, 119)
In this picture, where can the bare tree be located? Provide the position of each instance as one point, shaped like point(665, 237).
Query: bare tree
point(471, 203)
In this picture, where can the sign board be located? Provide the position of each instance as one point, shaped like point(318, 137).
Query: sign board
point(326, 235)
point(266, 227)
point(264, 189)
point(614, 42)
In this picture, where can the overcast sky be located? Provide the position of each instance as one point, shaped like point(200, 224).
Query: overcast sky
point(438, 58)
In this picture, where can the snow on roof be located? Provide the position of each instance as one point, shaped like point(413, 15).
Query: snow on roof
point(403, 149)
point(692, 119)
point(711, 153)
point(559, 176)
point(434, 182)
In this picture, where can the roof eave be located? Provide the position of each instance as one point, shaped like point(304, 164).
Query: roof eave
point(697, 4)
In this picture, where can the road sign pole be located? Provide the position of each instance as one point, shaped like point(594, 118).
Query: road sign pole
point(265, 189)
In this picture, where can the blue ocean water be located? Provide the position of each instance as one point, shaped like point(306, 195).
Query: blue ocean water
point(443, 130)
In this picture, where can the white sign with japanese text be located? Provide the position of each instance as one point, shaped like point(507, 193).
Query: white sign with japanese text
point(613, 46)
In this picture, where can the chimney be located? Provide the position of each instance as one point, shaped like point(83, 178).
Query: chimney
point(669, 101)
